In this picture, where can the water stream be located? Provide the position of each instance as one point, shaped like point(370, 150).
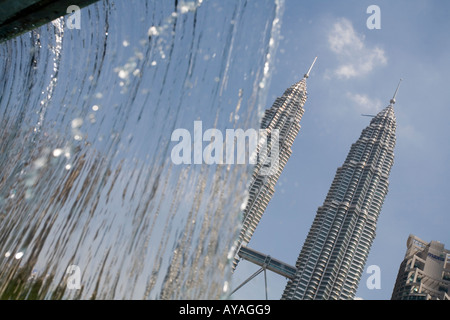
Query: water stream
point(86, 117)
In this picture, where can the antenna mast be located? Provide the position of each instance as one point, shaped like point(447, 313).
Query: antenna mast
point(396, 91)
point(310, 68)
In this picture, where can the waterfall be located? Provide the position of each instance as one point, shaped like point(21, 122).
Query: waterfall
point(86, 174)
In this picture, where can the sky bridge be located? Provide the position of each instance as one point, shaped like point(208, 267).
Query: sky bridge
point(266, 262)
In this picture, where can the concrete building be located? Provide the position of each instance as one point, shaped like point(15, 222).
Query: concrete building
point(424, 273)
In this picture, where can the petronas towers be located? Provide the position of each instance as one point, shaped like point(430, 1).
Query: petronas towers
point(282, 123)
point(333, 257)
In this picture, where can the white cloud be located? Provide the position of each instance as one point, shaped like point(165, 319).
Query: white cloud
point(365, 104)
point(343, 38)
point(355, 58)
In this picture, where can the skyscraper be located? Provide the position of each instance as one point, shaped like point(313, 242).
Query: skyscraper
point(334, 254)
point(281, 122)
point(424, 273)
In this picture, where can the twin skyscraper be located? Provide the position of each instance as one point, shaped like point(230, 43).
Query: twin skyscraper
point(332, 259)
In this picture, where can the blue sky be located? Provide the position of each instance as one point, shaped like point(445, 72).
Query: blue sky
point(356, 73)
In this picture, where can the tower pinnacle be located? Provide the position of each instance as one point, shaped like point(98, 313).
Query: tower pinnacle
point(310, 68)
point(395, 94)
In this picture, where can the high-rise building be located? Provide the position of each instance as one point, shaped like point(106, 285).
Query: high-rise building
point(424, 273)
point(280, 122)
point(336, 248)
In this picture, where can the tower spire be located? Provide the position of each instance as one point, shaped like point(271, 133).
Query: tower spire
point(395, 94)
point(310, 68)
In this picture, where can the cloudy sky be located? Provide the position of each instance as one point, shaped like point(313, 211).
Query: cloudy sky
point(356, 73)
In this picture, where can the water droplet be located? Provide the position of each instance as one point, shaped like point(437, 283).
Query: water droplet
point(244, 203)
point(92, 118)
point(225, 286)
point(153, 31)
point(39, 163)
point(18, 255)
point(123, 74)
point(271, 42)
point(57, 152)
point(76, 123)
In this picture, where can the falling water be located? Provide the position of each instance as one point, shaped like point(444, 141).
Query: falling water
point(85, 139)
